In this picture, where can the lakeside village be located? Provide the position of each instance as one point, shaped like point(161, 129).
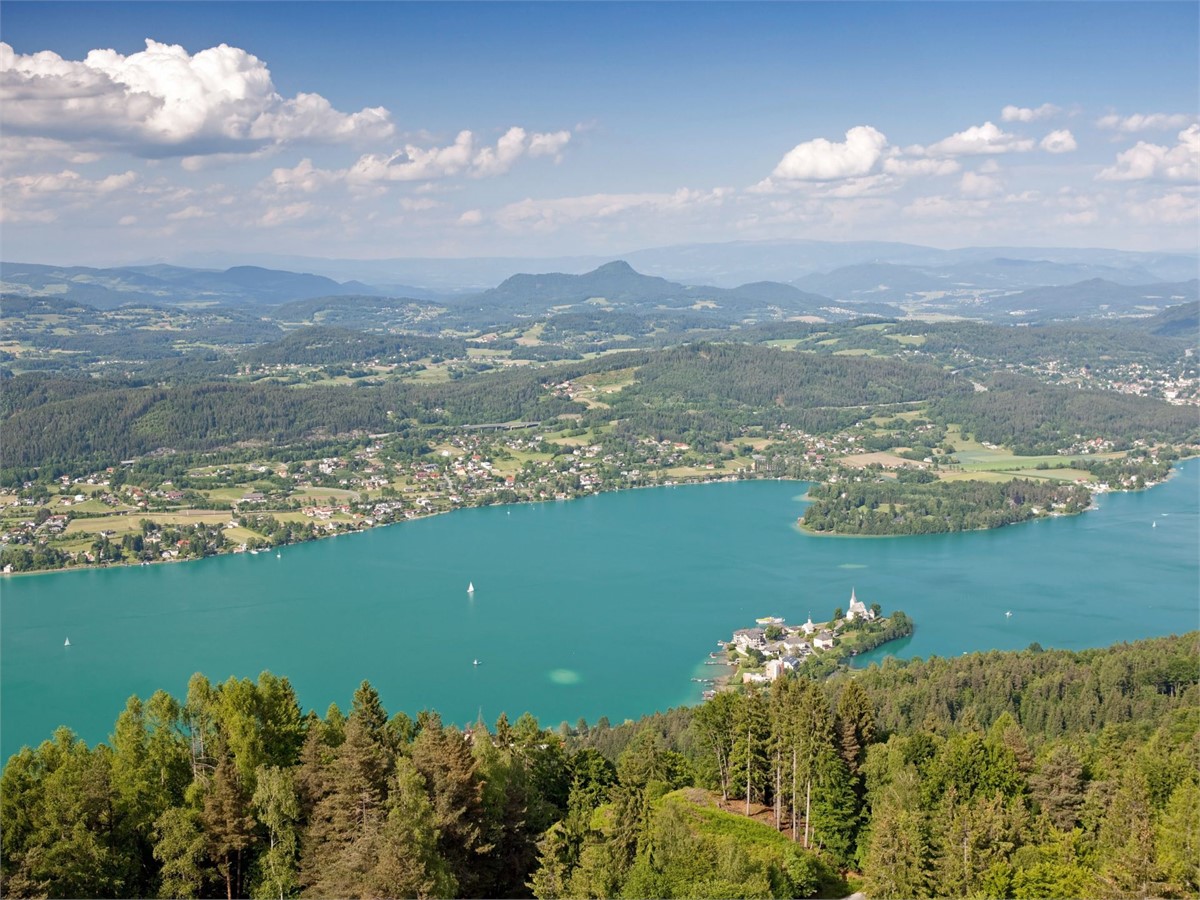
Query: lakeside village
point(773, 648)
point(167, 506)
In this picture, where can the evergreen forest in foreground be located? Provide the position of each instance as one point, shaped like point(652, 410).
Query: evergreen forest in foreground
point(1002, 774)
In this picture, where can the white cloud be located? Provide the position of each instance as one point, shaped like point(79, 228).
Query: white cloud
point(280, 215)
point(42, 197)
point(163, 101)
point(301, 177)
point(1061, 141)
point(973, 184)
point(65, 182)
point(937, 207)
point(1145, 161)
point(546, 215)
point(471, 217)
point(822, 160)
point(189, 212)
point(18, 149)
point(499, 159)
point(1145, 122)
point(549, 144)
point(906, 167)
point(1170, 209)
point(415, 163)
point(418, 204)
point(1025, 114)
point(985, 138)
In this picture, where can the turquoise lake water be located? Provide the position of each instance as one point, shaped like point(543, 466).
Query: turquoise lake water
point(605, 606)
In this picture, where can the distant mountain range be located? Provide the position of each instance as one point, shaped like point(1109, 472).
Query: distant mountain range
point(169, 285)
point(974, 282)
point(618, 285)
point(1096, 297)
point(739, 262)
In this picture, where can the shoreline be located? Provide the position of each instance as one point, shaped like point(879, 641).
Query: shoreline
point(797, 525)
point(429, 515)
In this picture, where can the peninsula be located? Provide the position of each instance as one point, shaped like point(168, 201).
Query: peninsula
point(773, 648)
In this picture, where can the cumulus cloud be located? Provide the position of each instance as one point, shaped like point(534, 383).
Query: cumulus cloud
point(822, 160)
point(67, 181)
point(23, 149)
point(549, 144)
point(905, 167)
point(1061, 141)
point(1145, 161)
point(163, 101)
point(471, 217)
point(1145, 122)
point(985, 138)
point(281, 215)
point(1025, 114)
point(463, 157)
point(189, 212)
point(973, 184)
point(41, 197)
point(302, 177)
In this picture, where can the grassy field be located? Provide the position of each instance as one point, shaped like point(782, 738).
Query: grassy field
point(321, 494)
point(912, 340)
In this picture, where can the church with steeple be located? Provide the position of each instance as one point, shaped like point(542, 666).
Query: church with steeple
point(857, 610)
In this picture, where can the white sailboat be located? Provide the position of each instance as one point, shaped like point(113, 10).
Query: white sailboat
point(1008, 615)
point(67, 642)
point(470, 587)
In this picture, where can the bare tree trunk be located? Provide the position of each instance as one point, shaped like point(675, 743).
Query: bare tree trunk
point(793, 795)
point(807, 807)
point(778, 788)
point(748, 767)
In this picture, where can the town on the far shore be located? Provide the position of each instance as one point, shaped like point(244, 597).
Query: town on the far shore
point(773, 648)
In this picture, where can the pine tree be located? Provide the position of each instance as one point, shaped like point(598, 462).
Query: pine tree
point(1126, 840)
point(1178, 840)
point(444, 759)
point(407, 862)
point(1057, 787)
point(228, 824)
point(338, 846)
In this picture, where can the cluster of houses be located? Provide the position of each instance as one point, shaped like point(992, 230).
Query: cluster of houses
point(785, 646)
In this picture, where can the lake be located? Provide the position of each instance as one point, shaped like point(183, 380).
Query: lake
point(605, 606)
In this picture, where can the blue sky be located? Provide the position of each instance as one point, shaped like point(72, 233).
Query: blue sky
point(404, 129)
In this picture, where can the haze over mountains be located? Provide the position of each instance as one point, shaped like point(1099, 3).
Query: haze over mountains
point(737, 281)
point(738, 262)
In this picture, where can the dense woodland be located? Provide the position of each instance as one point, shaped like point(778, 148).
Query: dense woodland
point(910, 506)
point(1032, 417)
point(1016, 774)
point(701, 392)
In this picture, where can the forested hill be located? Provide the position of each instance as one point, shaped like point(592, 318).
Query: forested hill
point(714, 387)
point(1020, 774)
point(700, 392)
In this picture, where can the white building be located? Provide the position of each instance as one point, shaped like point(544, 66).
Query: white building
point(857, 610)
